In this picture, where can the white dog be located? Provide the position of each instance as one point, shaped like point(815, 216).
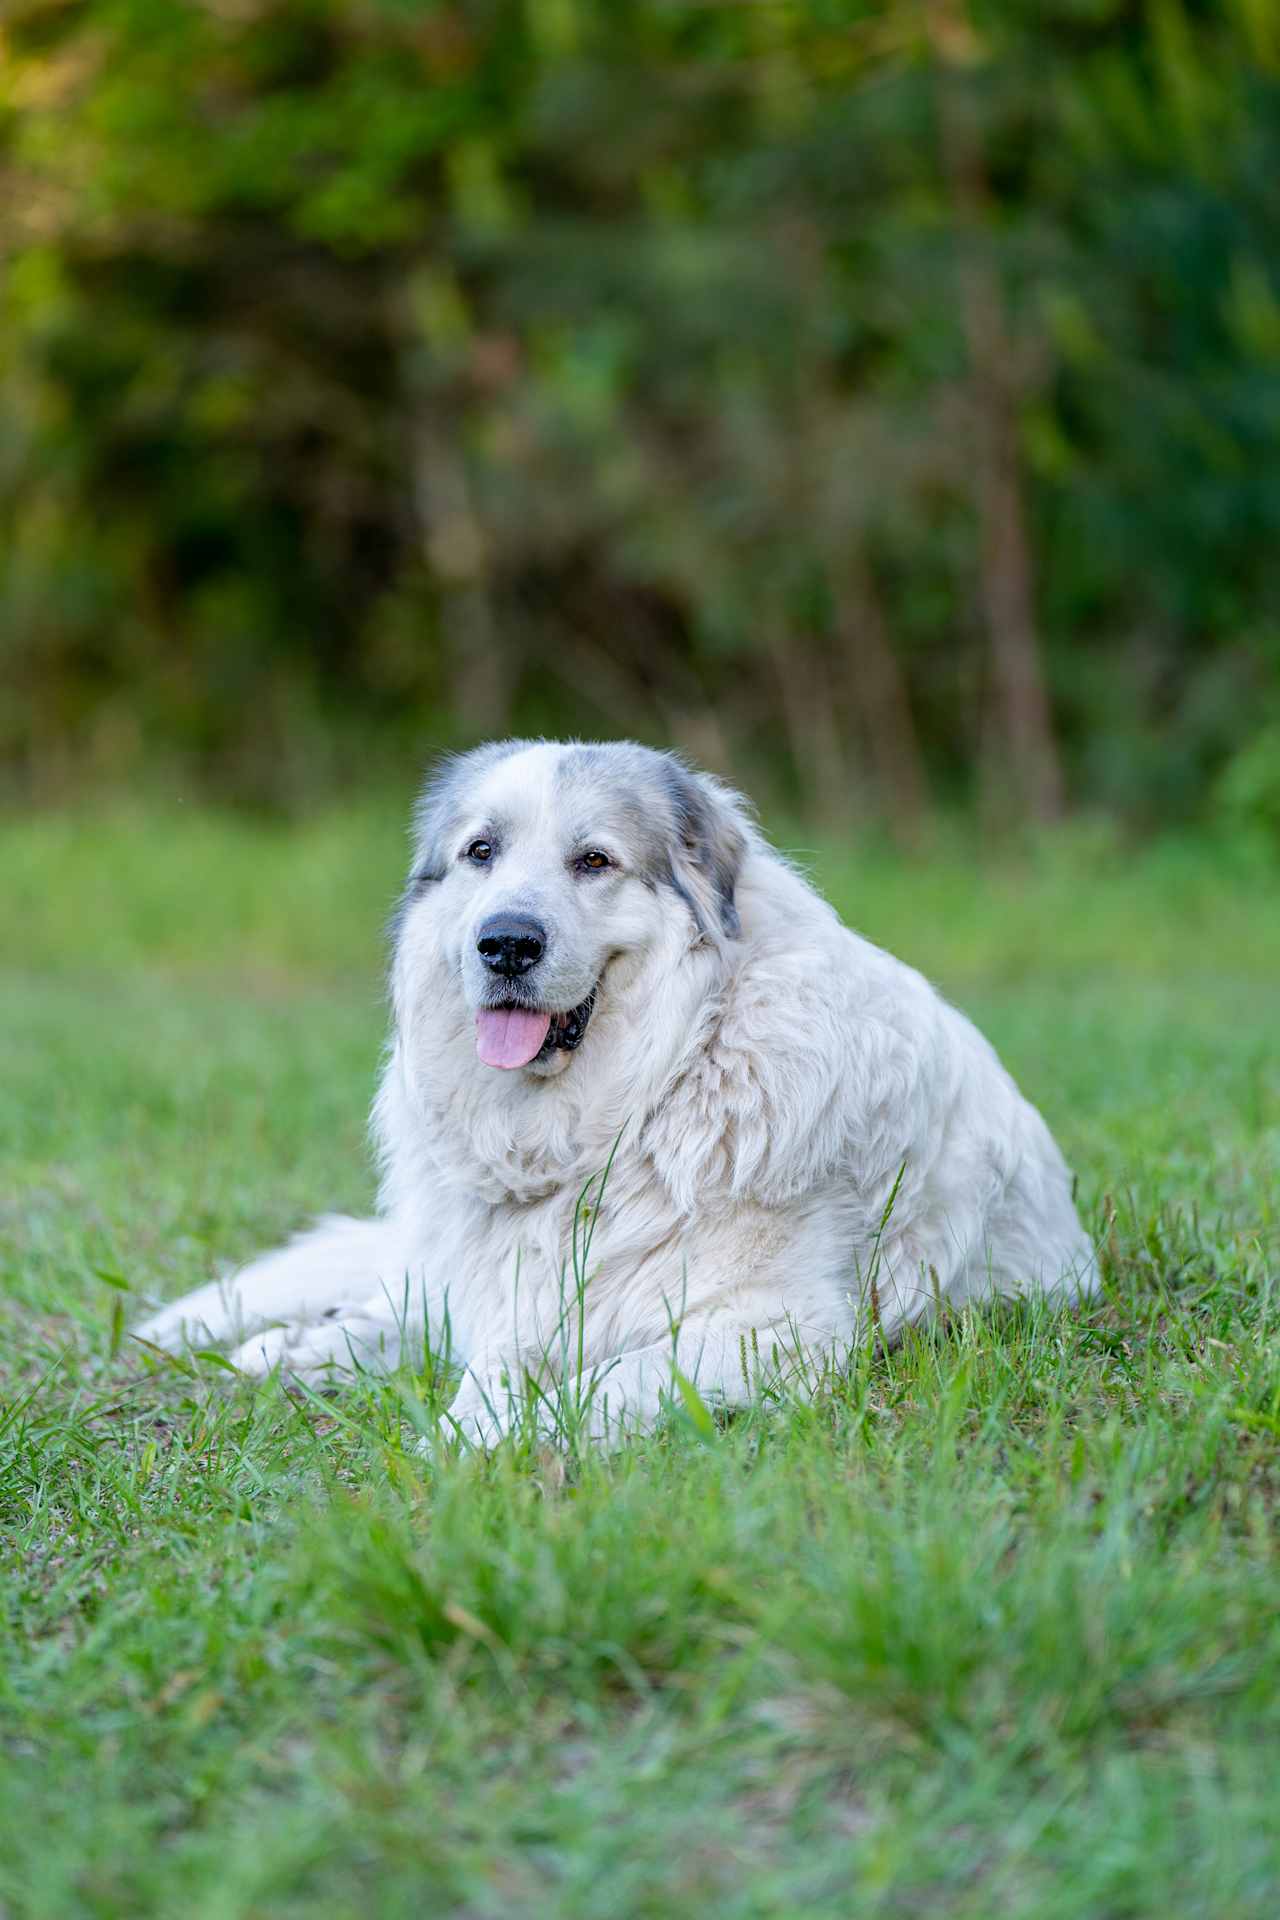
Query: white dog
point(599, 961)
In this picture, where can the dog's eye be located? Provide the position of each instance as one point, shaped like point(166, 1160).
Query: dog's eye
point(594, 861)
point(480, 851)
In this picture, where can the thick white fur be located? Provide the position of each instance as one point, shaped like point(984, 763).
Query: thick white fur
point(805, 1134)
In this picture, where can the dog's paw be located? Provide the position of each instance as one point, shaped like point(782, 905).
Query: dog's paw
point(349, 1344)
point(206, 1318)
point(264, 1352)
point(478, 1417)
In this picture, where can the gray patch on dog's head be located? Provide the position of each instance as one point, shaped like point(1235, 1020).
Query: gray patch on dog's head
point(444, 799)
point(685, 832)
point(618, 782)
point(439, 807)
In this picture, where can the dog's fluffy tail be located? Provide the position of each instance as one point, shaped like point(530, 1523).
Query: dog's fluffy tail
point(336, 1264)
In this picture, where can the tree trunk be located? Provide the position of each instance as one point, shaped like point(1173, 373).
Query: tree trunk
point(480, 672)
point(1007, 585)
point(808, 711)
point(881, 700)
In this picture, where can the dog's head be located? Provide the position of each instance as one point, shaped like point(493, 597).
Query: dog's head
point(549, 879)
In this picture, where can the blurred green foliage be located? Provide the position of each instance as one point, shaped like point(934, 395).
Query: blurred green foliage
point(880, 400)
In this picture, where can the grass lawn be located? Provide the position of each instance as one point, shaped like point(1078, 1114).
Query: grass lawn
point(993, 1630)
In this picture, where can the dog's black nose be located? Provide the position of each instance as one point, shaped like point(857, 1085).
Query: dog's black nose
point(509, 944)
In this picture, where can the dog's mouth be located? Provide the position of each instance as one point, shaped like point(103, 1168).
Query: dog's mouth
point(512, 1035)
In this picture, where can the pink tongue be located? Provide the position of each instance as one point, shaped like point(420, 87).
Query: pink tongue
point(509, 1037)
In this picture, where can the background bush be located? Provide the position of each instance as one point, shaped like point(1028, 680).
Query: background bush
point(880, 401)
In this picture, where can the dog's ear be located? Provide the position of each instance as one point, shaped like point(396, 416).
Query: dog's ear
point(428, 864)
point(706, 850)
point(431, 818)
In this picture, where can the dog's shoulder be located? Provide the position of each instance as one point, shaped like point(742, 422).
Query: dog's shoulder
point(824, 1051)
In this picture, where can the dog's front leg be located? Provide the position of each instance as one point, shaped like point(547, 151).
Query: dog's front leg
point(504, 1394)
point(488, 1403)
point(716, 1359)
point(616, 1399)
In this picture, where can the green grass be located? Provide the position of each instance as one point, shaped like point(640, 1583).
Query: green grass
point(991, 1630)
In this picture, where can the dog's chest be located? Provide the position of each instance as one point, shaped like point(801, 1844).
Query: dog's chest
point(521, 1272)
point(626, 1267)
